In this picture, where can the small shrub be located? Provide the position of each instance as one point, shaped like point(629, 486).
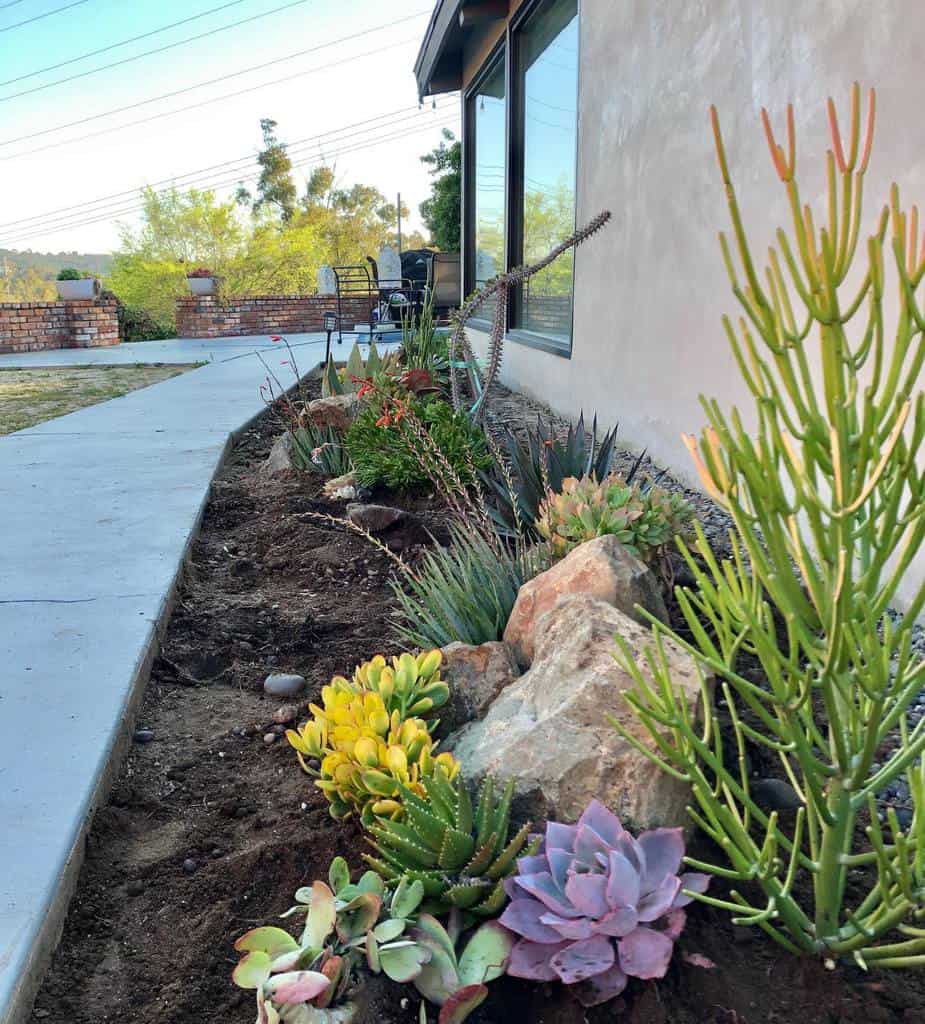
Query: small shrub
point(644, 520)
point(387, 451)
point(137, 324)
point(599, 906)
point(73, 274)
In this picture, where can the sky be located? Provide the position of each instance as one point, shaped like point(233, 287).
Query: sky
point(342, 96)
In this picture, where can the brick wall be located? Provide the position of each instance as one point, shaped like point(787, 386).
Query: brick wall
point(206, 316)
point(33, 326)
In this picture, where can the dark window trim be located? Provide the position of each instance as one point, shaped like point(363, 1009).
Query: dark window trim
point(497, 56)
point(506, 50)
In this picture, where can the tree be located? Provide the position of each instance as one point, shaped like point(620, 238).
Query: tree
point(354, 222)
point(275, 187)
point(441, 212)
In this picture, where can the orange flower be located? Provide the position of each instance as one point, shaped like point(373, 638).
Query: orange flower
point(384, 421)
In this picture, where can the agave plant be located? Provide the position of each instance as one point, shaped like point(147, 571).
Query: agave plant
point(543, 461)
point(459, 854)
point(596, 906)
point(644, 520)
point(346, 925)
point(319, 448)
point(350, 379)
point(458, 983)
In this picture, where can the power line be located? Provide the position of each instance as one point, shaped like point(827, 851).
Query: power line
point(202, 85)
point(57, 218)
point(202, 103)
point(115, 46)
point(12, 3)
point(148, 53)
point(331, 156)
point(39, 17)
point(175, 178)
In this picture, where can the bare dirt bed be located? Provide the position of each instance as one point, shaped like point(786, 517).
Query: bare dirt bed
point(210, 828)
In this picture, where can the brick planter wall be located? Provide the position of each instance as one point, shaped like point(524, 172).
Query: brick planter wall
point(206, 316)
point(34, 326)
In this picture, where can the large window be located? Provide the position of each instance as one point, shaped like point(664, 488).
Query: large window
point(486, 117)
point(545, 134)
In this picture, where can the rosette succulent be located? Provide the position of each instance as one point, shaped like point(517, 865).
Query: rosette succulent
point(366, 755)
point(643, 518)
point(597, 906)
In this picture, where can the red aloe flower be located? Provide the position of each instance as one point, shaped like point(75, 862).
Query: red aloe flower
point(275, 337)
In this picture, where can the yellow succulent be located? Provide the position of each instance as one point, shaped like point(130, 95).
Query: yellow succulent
point(365, 753)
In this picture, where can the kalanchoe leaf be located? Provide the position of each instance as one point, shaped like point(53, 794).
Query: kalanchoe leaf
point(338, 874)
point(403, 962)
point(253, 970)
point(321, 917)
point(295, 986)
point(270, 940)
point(406, 898)
point(458, 1007)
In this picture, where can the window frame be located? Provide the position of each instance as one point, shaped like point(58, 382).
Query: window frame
point(497, 58)
point(507, 50)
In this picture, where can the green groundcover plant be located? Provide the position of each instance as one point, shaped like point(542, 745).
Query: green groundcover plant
point(825, 487)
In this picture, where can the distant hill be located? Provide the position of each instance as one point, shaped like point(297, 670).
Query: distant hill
point(29, 276)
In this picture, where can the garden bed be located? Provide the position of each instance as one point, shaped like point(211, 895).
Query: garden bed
point(211, 826)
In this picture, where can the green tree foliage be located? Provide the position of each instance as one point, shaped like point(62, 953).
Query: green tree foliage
point(441, 212)
point(276, 191)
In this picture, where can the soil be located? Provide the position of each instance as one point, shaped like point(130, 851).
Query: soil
point(211, 826)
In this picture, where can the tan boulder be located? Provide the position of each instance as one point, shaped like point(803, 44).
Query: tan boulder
point(549, 731)
point(601, 568)
point(476, 675)
point(336, 412)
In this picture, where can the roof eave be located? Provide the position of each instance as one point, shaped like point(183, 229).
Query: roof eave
point(438, 67)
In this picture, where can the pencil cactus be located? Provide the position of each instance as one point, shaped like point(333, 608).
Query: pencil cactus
point(367, 758)
point(596, 906)
point(460, 854)
point(826, 498)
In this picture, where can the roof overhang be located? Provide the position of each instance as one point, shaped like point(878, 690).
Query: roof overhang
point(439, 64)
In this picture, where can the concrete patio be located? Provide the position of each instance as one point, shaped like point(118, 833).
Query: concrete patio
point(99, 508)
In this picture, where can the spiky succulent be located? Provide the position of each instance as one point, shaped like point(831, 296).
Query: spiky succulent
point(410, 685)
point(349, 379)
point(643, 519)
point(346, 925)
point(461, 855)
point(596, 905)
point(542, 461)
point(367, 758)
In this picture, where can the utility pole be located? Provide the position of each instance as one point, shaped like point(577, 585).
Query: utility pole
point(399, 223)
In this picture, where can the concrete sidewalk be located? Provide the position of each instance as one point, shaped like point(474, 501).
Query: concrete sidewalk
point(98, 509)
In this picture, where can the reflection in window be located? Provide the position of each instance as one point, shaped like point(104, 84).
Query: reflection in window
point(548, 83)
point(487, 115)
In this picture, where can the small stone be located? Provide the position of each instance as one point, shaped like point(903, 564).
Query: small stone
point(904, 817)
point(272, 660)
point(41, 1014)
point(375, 518)
point(279, 462)
point(190, 866)
point(286, 714)
point(269, 737)
point(283, 684)
point(216, 854)
point(143, 735)
point(135, 887)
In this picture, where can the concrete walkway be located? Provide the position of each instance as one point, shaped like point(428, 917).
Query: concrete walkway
point(97, 509)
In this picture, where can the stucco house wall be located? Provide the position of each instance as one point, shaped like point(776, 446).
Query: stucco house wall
point(651, 289)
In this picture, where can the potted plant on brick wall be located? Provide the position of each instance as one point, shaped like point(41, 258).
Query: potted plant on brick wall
point(77, 284)
point(202, 281)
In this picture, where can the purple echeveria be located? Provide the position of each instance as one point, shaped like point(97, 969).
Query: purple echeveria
point(596, 905)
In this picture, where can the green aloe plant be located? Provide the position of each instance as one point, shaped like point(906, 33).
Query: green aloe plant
point(827, 498)
point(461, 854)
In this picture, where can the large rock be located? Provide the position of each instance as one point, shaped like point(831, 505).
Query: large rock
point(336, 412)
point(548, 729)
point(375, 518)
point(476, 675)
point(279, 462)
point(601, 568)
